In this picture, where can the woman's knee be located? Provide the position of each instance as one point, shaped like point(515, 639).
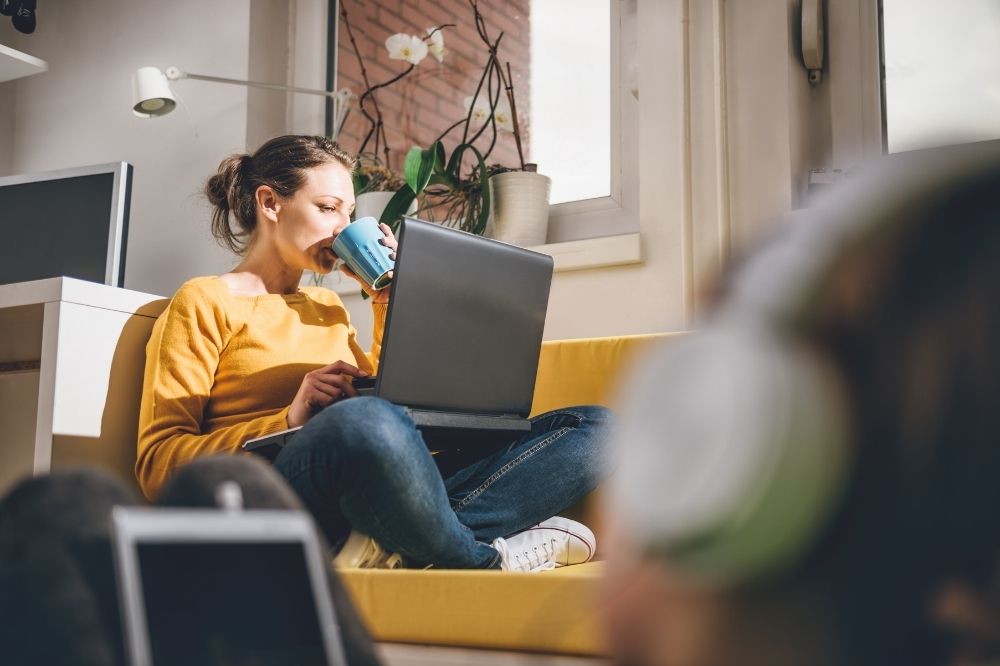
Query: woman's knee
point(363, 430)
point(591, 443)
point(596, 416)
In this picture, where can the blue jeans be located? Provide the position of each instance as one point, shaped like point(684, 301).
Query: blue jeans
point(362, 463)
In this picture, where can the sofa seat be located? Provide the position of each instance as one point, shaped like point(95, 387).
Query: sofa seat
point(551, 611)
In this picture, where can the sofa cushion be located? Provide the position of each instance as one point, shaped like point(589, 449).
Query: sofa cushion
point(550, 611)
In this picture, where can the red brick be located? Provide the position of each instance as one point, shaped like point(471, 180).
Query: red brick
point(419, 107)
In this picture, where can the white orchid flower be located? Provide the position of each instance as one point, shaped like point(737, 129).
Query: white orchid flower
point(505, 119)
point(481, 113)
point(410, 48)
point(436, 46)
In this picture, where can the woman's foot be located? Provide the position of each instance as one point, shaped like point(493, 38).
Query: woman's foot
point(360, 551)
point(556, 542)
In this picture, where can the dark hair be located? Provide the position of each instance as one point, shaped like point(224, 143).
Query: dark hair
point(281, 164)
point(911, 317)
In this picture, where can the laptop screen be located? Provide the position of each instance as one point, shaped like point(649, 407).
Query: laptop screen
point(229, 603)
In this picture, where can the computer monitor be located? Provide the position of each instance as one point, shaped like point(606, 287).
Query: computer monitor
point(71, 222)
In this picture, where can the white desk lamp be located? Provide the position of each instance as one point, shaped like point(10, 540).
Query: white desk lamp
point(152, 96)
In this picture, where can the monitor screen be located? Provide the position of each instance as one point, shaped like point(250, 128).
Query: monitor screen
point(72, 222)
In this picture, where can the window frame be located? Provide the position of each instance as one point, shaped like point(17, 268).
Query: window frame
point(617, 213)
point(612, 215)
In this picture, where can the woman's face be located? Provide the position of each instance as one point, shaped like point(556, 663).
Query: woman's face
point(311, 219)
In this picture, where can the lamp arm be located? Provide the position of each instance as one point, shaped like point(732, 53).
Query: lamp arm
point(174, 74)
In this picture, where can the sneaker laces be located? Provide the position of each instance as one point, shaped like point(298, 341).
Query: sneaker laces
point(540, 557)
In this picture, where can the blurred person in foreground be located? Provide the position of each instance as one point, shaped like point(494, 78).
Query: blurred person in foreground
point(813, 477)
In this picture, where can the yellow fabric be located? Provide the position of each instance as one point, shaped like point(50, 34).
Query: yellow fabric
point(222, 369)
point(587, 371)
point(550, 611)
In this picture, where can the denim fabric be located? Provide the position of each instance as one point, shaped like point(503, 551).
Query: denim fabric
point(362, 463)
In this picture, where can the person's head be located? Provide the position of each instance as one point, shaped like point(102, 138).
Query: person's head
point(290, 198)
point(864, 338)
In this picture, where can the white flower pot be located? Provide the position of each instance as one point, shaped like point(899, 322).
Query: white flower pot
point(373, 203)
point(519, 214)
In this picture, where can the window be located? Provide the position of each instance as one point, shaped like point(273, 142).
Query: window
point(574, 87)
point(941, 72)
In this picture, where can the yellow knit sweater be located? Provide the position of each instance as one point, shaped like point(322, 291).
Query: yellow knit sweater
point(222, 369)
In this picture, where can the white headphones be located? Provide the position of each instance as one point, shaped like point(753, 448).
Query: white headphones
point(735, 443)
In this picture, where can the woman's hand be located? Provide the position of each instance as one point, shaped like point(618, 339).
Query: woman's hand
point(382, 295)
point(321, 388)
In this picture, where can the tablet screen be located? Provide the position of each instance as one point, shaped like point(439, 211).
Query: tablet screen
point(238, 604)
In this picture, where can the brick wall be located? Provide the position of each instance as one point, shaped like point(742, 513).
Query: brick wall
point(418, 108)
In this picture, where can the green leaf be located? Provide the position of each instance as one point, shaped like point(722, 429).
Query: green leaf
point(411, 166)
point(397, 207)
point(455, 163)
point(484, 212)
point(439, 158)
point(418, 167)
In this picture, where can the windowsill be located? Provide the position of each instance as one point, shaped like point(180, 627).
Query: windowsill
point(599, 252)
point(602, 252)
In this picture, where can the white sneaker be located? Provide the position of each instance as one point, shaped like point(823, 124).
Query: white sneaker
point(360, 551)
point(556, 542)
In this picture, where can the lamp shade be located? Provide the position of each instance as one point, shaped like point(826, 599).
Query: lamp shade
point(151, 94)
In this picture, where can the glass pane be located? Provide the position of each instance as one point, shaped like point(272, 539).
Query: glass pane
point(559, 55)
point(571, 96)
point(942, 72)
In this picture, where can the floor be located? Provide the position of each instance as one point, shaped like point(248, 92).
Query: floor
point(400, 654)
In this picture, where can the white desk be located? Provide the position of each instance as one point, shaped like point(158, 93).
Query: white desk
point(71, 360)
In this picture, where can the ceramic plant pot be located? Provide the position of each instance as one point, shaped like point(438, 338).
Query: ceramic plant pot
point(371, 204)
point(520, 208)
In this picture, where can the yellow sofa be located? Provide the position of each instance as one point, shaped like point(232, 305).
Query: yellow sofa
point(553, 611)
point(546, 612)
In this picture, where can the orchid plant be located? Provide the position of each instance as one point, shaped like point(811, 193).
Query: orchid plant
point(437, 178)
point(411, 49)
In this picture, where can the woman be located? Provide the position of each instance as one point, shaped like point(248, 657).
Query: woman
point(250, 352)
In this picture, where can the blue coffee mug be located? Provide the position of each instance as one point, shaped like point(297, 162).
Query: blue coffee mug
point(359, 247)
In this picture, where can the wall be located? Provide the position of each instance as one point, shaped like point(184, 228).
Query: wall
point(421, 106)
point(79, 113)
point(728, 129)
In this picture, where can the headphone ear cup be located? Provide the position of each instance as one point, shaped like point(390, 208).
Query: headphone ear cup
point(735, 451)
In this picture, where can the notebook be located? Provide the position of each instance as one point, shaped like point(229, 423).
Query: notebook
point(463, 332)
point(210, 587)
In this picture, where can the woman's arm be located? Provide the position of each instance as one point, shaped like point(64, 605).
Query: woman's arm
point(181, 359)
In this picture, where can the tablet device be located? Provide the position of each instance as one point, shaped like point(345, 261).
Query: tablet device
point(211, 587)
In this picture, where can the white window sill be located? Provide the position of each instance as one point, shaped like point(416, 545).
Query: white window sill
point(602, 252)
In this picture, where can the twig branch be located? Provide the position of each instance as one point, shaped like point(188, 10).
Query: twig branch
point(513, 114)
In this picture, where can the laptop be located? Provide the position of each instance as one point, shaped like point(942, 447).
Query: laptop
point(210, 587)
point(463, 333)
